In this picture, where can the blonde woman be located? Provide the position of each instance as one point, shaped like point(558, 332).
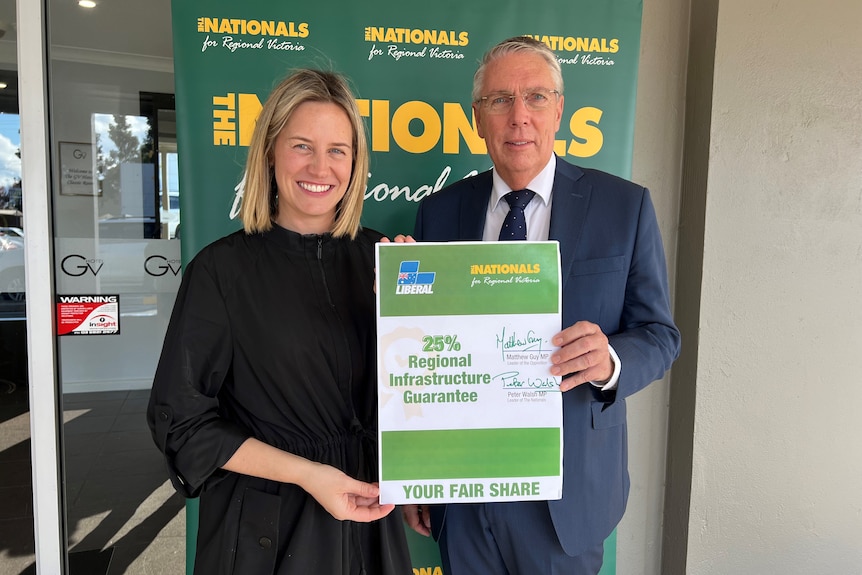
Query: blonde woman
point(264, 400)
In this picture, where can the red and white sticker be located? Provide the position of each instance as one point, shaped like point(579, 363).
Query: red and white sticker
point(88, 314)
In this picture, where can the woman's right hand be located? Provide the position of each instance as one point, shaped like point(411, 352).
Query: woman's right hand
point(399, 239)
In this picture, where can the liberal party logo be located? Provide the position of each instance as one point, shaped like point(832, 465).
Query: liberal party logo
point(411, 280)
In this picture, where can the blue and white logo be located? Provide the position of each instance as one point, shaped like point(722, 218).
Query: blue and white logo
point(412, 281)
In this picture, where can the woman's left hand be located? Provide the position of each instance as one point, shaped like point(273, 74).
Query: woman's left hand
point(344, 497)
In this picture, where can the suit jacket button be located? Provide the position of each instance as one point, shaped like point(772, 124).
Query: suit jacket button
point(163, 416)
point(265, 542)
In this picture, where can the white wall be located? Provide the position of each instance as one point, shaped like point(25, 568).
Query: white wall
point(656, 165)
point(777, 463)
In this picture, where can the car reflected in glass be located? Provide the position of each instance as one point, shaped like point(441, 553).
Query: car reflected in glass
point(11, 271)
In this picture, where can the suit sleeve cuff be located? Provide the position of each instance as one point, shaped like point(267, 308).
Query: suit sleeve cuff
point(611, 384)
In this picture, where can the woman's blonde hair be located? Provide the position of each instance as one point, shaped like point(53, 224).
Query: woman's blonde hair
point(260, 202)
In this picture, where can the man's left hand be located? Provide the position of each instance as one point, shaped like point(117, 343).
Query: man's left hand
point(583, 353)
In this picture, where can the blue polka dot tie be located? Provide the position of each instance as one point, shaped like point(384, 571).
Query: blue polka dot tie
point(515, 224)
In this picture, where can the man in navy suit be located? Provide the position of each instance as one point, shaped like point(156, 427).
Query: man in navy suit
point(619, 335)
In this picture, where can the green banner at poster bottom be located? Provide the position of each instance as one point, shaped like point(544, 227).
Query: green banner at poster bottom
point(470, 453)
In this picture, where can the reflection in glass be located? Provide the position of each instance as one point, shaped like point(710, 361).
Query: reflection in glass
point(125, 176)
point(17, 537)
point(11, 230)
point(170, 201)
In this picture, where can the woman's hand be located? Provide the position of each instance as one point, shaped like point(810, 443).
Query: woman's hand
point(341, 495)
point(399, 239)
point(344, 497)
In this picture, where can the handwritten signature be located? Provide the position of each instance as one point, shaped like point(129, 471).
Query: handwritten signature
point(512, 380)
point(513, 342)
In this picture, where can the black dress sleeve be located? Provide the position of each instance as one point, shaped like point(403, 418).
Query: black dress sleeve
point(195, 362)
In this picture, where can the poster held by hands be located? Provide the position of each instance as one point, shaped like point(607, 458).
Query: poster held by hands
point(468, 408)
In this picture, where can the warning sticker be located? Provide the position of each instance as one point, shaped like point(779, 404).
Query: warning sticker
point(88, 314)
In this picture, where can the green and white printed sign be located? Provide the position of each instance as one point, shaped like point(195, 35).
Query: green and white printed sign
point(468, 408)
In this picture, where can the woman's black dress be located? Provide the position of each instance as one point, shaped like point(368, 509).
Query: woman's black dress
point(273, 336)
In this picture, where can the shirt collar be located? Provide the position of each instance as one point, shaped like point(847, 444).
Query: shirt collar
point(542, 184)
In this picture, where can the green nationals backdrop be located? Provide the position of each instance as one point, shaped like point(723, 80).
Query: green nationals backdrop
point(411, 67)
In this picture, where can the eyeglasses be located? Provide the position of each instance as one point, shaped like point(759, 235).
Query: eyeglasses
point(502, 102)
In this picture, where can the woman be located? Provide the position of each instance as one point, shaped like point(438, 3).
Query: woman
point(264, 400)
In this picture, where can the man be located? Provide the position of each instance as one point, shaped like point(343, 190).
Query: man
point(619, 335)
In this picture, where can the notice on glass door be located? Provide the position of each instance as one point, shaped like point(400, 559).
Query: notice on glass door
point(88, 314)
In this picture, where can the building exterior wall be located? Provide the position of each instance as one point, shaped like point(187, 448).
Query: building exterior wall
point(777, 457)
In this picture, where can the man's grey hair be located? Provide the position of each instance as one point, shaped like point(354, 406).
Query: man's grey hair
point(515, 45)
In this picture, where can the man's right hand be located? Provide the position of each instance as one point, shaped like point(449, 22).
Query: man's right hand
point(418, 517)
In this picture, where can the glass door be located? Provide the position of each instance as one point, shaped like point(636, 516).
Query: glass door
point(17, 544)
point(116, 266)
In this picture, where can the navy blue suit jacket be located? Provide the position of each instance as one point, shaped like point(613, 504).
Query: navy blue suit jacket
point(614, 275)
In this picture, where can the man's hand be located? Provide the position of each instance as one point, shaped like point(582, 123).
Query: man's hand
point(418, 517)
point(584, 353)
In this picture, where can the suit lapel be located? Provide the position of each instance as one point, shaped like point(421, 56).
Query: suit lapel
point(570, 199)
point(474, 205)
